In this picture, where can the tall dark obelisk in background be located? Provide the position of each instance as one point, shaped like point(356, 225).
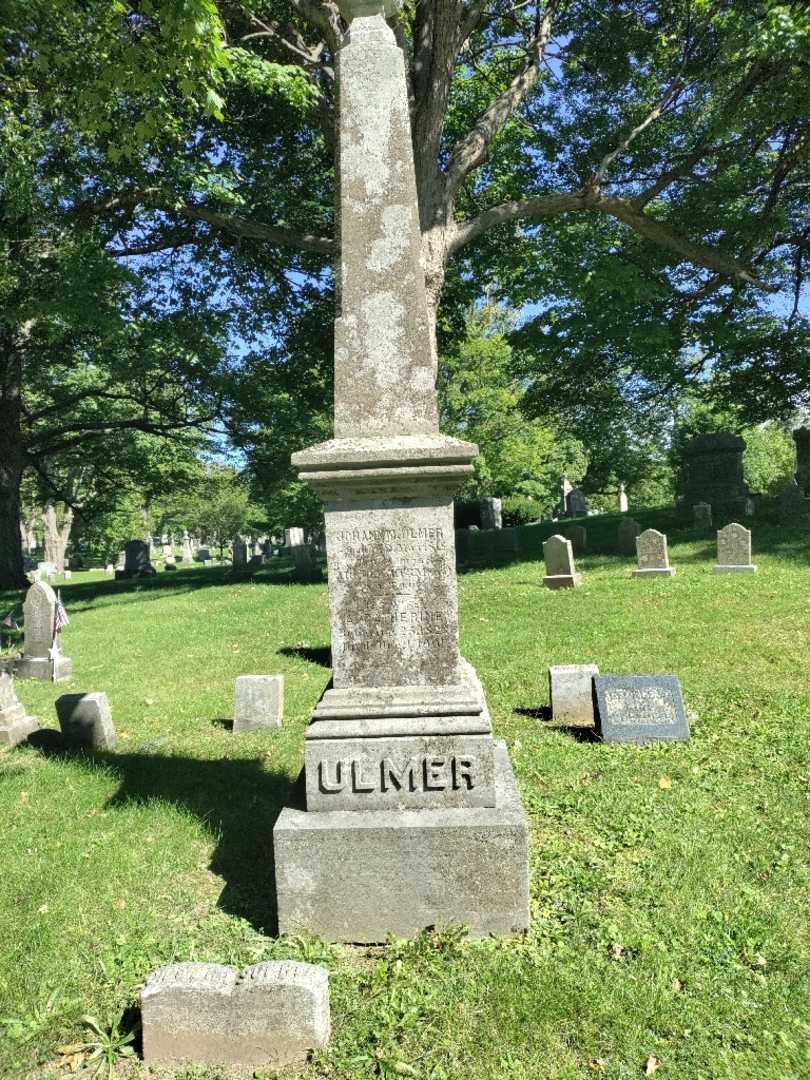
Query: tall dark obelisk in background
point(412, 813)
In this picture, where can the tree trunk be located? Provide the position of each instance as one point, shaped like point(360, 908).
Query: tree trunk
point(12, 463)
point(56, 536)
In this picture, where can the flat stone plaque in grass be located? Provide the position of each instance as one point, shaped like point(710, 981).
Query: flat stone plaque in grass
point(639, 708)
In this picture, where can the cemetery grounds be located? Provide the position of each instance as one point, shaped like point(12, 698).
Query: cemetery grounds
point(669, 884)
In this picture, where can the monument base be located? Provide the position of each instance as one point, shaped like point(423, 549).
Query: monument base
point(16, 732)
point(656, 571)
point(359, 875)
point(751, 569)
point(562, 581)
point(30, 668)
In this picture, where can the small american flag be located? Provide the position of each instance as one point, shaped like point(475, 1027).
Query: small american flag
point(10, 623)
point(61, 615)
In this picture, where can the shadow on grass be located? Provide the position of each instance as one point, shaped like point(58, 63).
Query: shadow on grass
point(319, 654)
point(238, 801)
point(573, 731)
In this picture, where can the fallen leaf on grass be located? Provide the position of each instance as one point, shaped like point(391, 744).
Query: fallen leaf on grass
point(42, 910)
point(120, 903)
point(598, 1065)
point(148, 701)
point(617, 951)
point(677, 985)
point(652, 1065)
point(664, 783)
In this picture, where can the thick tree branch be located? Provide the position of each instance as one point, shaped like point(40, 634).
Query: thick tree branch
point(325, 17)
point(249, 229)
point(624, 210)
point(473, 150)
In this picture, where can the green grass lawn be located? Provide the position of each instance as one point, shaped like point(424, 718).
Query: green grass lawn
point(669, 884)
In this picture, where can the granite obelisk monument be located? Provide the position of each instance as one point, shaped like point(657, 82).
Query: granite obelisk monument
point(412, 816)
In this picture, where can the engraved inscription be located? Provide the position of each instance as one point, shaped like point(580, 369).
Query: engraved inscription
point(425, 774)
point(640, 707)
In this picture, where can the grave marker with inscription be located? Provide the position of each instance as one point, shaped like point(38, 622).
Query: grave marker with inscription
point(558, 556)
point(639, 708)
point(270, 1015)
point(570, 689)
point(734, 550)
point(403, 779)
point(576, 505)
point(653, 557)
point(42, 650)
point(86, 720)
point(491, 514)
point(259, 702)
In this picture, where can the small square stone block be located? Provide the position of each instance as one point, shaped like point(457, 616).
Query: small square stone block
point(259, 702)
point(639, 708)
point(571, 692)
point(86, 719)
point(271, 1014)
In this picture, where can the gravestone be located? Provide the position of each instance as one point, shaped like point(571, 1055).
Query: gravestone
point(86, 720)
point(702, 515)
point(239, 553)
point(15, 726)
point(42, 649)
point(187, 556)
point(566, 487)
point(570, 689)
point(403, 778)
point(109, 569)
point(626, 535)
point(306, 569)
point(576, 505)
point(119, 563)
point(136, 561)
point(639, 708)
point(294, 537)
point(793, 506)
point(578, 535)
point(653, 557)
point(259, 702)
point(712, 472)
point(170, 563)
point(491, 515)
point(258, 549)
point(558, 556)
point(624, 505)
point(270, 1015)
point(167, 551)
point(203, 554)
point(801, 437)
point(734, 550)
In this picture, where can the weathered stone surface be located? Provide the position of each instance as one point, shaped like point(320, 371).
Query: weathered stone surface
point(793, 506)
point(259, 702)
point(653, 557)
point(271, 1014)
point(624, 504)
point(86, 719)
point(491, 514)
point(571, 693)
point(702, 515)
point(306, 568)
point(136, 560)
point(187, 554)
point(639, 708)
point(239, 553)
point(576, 505)
point(15, 726)
point(734, 550)
point(712, 472)
point(42, 649)
point(626, 535)
point(578, 535)
point(358, 876)
point(558, 556)
point(203, 554)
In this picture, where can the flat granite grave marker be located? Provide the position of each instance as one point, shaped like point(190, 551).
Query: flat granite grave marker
point(412, 814)
point(15, 726)
point(42, 649)
point(734, 550)
point(259, 702)
point(639, 708)
point(626, 535)
point(271, 1014)
point(571, 693)
point(558, 556)
point(702, 515)
point(653, 557)
point(86, 720)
